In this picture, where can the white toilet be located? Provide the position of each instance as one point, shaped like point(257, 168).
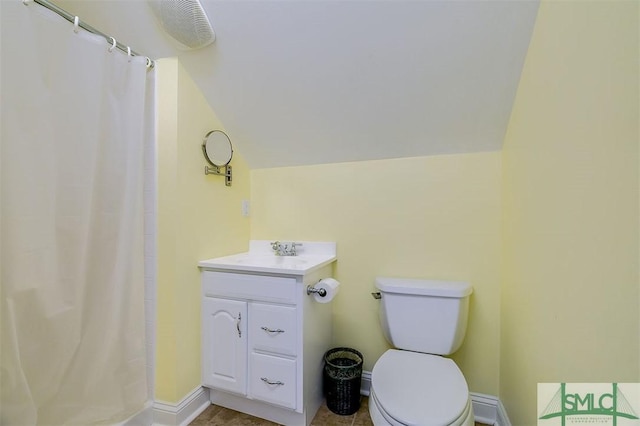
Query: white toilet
point(415, 384)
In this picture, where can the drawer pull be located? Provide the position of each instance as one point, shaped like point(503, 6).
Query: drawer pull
point(270, 330)
point(269, 382)
point(238, 324)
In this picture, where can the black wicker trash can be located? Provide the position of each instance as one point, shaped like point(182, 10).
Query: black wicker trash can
point(342, 376)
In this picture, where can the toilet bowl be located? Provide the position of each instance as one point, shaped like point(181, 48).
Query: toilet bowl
point(410, 388)
point(415, 384)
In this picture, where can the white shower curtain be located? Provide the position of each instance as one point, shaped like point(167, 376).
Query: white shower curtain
point(72, 278)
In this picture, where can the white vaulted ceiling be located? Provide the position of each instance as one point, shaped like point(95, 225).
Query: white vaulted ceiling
point(308, 82)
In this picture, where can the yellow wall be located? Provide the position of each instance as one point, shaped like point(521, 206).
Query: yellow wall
point(431, 217)
point(570, 254)
point(198, 218)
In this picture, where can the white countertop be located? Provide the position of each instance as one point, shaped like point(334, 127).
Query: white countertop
point(260, 258)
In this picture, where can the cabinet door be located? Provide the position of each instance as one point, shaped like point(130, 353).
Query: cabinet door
point(224, 354)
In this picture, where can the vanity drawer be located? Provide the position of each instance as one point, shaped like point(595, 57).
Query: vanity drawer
point(248, 287)
point(273, 328)
point(273, 380)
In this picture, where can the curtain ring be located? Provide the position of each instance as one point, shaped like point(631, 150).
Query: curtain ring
point(129, 53)
point(113, 44)
point(76, 24)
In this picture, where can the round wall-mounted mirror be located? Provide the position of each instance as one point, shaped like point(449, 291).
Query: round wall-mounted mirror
point(217, 148)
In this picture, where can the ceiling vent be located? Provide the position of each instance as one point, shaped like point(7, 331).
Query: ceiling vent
point(185, 21)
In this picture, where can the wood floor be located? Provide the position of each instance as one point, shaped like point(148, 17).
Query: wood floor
point(219, 416)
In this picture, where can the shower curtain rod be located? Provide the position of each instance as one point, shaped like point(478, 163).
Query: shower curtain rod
point(71, 18)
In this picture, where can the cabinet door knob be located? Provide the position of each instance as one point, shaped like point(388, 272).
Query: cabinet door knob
point(270, 330)
point(269, 382)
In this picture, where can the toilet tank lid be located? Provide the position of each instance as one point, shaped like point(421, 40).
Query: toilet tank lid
point(439, 288)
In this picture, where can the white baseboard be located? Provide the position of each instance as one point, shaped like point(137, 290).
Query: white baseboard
point(142, 417)
point(183, 412)
point(365, 384)
point(487, 409)
point(501, 416)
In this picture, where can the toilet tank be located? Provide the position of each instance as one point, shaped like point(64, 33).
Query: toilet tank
point(424, 315)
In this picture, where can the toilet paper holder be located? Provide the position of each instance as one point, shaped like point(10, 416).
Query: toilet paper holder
point(324, 290)
point(312, 290)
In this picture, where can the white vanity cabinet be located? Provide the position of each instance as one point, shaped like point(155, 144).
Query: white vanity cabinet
point(270, 361)
point(263, 341)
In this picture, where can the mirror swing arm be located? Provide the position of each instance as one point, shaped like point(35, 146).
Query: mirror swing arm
point(218, 151)
point(215, 170)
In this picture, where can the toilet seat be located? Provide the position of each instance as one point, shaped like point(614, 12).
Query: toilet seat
point(411, 388)
point(381, 418)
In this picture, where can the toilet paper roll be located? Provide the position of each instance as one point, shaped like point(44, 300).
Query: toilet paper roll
point(330, 286)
